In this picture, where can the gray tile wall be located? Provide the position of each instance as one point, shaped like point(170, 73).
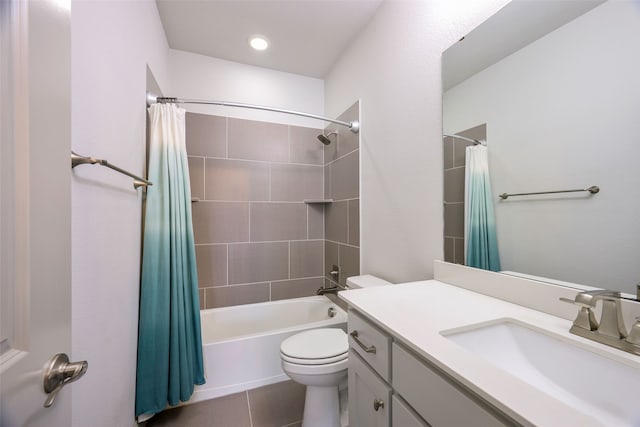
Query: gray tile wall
point(342, 217)
point(454, 176)
point(256, 240)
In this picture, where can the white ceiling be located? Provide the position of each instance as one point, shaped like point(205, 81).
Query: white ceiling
point(513, 27)
point(306, 36)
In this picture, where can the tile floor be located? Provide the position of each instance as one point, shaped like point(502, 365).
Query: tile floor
point(275, 405)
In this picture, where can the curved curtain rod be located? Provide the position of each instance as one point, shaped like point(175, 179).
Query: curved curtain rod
point(474, 141)
point(353, 126)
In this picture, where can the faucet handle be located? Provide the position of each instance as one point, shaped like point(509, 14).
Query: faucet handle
point(585, 319)
point(579, 303)
point(611, 320)
point(634, 335)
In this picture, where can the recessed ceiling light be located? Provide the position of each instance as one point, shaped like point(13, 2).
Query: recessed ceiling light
point(65, 4)
point(259, 42)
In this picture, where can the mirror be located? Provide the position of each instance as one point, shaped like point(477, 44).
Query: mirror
point(555, 87)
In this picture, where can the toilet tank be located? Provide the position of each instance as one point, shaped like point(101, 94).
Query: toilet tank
point(365, 281)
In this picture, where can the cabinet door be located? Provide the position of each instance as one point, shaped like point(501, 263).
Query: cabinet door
point(404, 416)
point(436, 398)
point(369, 395)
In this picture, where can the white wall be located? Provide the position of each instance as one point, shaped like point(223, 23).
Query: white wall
point(196, 76)
point(563, 113)
point(112, 42)
point(394, 68)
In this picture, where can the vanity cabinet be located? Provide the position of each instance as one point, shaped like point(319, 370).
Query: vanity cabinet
point(369, 395)
point(369, 374)
point(403, 415)
point(391, 386)
point(371, 343)
point(436, 397)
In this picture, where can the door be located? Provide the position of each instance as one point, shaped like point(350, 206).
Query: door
point(35, 222)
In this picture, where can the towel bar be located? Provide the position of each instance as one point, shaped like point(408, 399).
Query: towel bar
point(77, 159)
point(593, 190)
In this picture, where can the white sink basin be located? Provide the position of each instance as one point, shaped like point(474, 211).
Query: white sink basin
point(599, 386)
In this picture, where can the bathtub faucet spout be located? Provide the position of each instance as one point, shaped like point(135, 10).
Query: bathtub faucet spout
point(332, 290)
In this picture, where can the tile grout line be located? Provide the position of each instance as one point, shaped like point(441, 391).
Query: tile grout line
point(226, 135)
point(269, 162)
point(289, 260)
point(344, 244)
point(323, 150)
point(348, 211)
point(289, 144)
point(339, 264)
point(343, 156)
point(454, 249)
point(289, 202)
point(330, 179)
point(259, 283)
point(324, 244)
point(249, 409)
point(325, 194)
point(270, 192)
point(204, 178)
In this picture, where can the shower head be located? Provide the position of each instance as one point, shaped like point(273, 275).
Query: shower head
point(325, 138)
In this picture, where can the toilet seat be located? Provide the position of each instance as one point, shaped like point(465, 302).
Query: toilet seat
point(324, 361)
point(315, 370)
point(316, 347)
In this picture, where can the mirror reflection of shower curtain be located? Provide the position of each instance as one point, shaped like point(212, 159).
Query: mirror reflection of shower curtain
point(481, 243)
point(169, 339)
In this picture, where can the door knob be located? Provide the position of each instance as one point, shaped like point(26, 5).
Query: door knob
point(60, 372)
point(377, 404)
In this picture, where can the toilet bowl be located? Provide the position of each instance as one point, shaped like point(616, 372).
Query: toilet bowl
point(317, 359)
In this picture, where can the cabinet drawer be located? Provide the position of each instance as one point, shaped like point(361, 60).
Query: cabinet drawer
point(371, 343)
point(404, 416)
point(438, 400)
point(369, 395)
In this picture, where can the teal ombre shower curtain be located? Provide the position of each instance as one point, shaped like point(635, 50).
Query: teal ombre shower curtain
point(169, 340)
point(480, 222)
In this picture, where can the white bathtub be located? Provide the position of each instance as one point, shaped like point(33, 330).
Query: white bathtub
point(241, 344)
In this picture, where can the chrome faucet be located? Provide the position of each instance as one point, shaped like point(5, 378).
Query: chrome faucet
point(331, 290)
point(610, 330)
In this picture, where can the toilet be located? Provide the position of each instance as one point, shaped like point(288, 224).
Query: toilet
point(318, 359)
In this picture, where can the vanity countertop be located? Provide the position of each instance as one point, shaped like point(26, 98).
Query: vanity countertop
point(416, 313)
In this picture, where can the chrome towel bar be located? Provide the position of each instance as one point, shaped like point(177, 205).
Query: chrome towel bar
point(77, 159)
point(593, 190)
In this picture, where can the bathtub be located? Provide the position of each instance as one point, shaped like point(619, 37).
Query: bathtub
point(241, 344)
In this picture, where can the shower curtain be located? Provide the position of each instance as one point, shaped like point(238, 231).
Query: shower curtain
point(169, 340)
point(480, 223)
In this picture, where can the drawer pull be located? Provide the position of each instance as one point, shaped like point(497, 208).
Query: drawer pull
point(377, 404)
point(366, 348)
